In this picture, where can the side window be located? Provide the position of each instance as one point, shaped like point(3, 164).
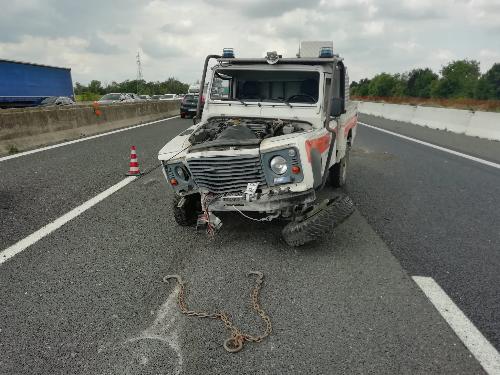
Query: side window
point(220, 88)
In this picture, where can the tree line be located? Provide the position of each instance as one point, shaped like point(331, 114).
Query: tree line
point(460, 79)
point(95, 87)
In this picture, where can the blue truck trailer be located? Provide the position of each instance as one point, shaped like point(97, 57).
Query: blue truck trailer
point(26, 84)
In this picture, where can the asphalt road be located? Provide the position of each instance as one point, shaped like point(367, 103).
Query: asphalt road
point(89, 298)
point(438, 213)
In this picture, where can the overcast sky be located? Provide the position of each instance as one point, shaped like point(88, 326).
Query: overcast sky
point(100, 39)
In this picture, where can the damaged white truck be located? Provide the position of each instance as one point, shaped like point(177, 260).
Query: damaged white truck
point(274, 132)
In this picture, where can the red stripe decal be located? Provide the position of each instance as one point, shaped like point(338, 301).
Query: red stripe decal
point(321, 144)
point(351, 124)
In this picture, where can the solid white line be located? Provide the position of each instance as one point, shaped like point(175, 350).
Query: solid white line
point(59, 222)
point(473, 158)
point(82, 139)
point(477, 344)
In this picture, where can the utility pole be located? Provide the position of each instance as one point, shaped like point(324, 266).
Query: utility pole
point(139, 71)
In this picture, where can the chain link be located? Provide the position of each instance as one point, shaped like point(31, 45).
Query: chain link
point(235, 342)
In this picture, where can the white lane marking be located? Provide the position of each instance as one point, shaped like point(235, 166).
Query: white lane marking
point(59, 222)
point(482, 161)
point(82, 139)
point(477, 344)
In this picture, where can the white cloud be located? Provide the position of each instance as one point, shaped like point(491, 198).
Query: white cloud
point(100, 39)
point(488, 57)
point(373, 28)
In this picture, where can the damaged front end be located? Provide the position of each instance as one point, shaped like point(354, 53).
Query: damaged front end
point(227, 165)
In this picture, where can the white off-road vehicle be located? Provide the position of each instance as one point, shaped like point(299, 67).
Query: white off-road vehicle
point(274, 131)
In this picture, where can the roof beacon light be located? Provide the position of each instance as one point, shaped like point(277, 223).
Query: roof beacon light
point(272, 57)
point(326, 52)
point(228, 53)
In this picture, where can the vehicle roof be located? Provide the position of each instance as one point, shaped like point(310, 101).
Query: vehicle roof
point(286, 60)
point(34, 64)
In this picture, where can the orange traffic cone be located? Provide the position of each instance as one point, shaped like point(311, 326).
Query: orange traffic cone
point(134, 164)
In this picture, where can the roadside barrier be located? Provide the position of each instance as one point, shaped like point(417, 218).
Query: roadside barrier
point(25, 128)
point(473, 123)
point(134, 163)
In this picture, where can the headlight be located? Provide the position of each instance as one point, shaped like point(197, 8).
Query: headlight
point(278, 165)
point(179, 171)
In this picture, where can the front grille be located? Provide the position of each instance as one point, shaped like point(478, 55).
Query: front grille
point(226, 174)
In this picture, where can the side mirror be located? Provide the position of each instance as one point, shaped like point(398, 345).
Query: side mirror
point(336, 107)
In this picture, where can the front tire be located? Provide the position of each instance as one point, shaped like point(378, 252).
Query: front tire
point(337, 210)
point(338, 172)
point(187, 214)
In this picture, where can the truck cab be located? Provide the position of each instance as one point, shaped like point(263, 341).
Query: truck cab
point(273, 132)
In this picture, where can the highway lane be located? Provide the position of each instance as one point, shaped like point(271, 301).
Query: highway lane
point(37, 188)
point(89, 298)
point(438, 213)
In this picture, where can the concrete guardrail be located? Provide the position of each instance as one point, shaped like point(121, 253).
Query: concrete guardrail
point(473, 123)
point(25, 128)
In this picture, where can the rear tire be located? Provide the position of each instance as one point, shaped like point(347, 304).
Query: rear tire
point(298, 233)
point(186, 215)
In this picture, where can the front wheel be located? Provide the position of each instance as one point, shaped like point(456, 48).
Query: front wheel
point(338, 172)
point(186, 209)
point(319, 222)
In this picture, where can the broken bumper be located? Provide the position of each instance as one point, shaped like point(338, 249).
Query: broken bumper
point(263, 202)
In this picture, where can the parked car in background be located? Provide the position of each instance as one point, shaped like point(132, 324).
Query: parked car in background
point(56, 100)
point(135, 97)
point(114, 98)
point(156, 97)
point(145, 97)
point(189, 104)
point(168, 97)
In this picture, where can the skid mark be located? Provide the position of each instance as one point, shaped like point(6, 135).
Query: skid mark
point(163, 330)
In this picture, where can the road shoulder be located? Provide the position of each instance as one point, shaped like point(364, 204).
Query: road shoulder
point(481, 148)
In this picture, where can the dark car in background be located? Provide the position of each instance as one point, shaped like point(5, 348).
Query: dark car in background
point(189, 104)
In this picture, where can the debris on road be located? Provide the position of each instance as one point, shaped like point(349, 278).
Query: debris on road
point(234, 343)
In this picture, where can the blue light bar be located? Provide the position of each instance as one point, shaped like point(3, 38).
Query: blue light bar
point(326, 52)
point(228, 53)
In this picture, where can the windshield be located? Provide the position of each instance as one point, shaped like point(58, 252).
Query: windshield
point(111, 97)
point(265, 85)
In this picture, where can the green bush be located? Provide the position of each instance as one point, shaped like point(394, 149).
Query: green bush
point(459, 79)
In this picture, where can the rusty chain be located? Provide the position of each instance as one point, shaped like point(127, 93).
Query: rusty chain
point(234, 343)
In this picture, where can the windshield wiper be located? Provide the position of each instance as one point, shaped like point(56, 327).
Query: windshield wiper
point(242, 102)
point(283, 101)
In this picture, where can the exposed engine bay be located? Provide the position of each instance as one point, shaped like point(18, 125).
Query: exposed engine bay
point(224, 131)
